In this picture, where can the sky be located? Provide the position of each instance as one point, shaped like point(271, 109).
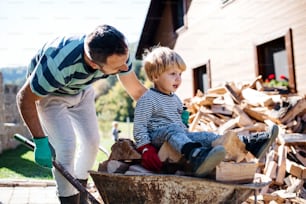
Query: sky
point(26, 24)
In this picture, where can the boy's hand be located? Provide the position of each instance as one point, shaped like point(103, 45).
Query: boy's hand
point(42, 152)
point(150, 159)
point(185, 116)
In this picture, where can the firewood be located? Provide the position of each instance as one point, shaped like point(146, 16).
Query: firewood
point(256, 97)
point(301, 155)
point(295, 169)
point(222, 109)
point(167, 152)
point(195, 121)
point(257, 83)
point(217, 90)
point(212, 118)
point(271, 169)
point(233, 91)
point(257, 127)
point(298, 108)
point(268, 198)
point(281, 164)
point(293, 138)
point(235, 148)
point(243, 118)
point(295, 185)
point(232, 172)
point(255, 114)
point(124, 149)
point(231, 124)
point(271, 156)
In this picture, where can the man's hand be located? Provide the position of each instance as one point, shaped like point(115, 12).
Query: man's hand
point(42, 152)
point(150, 159)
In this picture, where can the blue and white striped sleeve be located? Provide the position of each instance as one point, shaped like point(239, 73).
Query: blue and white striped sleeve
point(142, 115)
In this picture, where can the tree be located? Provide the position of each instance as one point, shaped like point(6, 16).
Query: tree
point(116, 105)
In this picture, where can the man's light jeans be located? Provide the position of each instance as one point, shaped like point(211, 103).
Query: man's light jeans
point(71, 124)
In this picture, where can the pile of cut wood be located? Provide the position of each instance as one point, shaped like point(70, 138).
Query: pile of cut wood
point(248, 108)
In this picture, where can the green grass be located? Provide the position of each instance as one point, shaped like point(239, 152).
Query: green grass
point(19, 163)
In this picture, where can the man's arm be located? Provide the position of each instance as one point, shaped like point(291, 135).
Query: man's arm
point(26, 103)
point(132, 85)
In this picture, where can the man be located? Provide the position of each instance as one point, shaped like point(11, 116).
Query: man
point(57, 100)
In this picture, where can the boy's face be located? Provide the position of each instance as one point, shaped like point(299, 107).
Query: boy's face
point(169, 81)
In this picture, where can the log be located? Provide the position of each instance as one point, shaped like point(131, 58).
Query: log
point(243, 118)
point(293, 138)
point(232, 90)
point(295, 169)
point(168, 153)
point(124, 149)
point(297, 109)
point(281, 164)
point(232, 172)
point(256, 97)
point(235, 148)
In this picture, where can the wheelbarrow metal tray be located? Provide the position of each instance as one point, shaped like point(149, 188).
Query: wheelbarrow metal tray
point(160, 188)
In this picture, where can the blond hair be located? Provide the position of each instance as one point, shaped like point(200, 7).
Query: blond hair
point(159, 60)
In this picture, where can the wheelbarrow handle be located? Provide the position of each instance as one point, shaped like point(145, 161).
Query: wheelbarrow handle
point(77, 184)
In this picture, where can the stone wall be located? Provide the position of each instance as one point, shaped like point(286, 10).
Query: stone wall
point(10, 120)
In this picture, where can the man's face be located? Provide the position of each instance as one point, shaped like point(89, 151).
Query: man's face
point(114, 64)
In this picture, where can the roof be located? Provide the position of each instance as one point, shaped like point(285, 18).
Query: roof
point(153, 19)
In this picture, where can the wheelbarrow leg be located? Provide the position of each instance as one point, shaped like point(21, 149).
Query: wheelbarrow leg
point(102, 149)
point(255, 196)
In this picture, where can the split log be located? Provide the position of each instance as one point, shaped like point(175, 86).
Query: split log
point(256, 97)
point(299, 108)
point(124, 149)
point(281, 164)
point(235, 148)
point(168, 153)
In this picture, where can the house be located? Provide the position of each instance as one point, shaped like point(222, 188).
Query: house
point(231, 40)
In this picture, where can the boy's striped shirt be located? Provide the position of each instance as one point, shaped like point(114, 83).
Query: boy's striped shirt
point(155, 110)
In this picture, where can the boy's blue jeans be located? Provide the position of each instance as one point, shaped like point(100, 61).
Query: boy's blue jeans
point(177, 137)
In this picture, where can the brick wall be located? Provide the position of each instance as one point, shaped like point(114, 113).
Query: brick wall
point(10, 120)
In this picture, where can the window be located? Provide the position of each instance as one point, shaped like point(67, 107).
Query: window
point(201, 78)
point(179, 10)
point(275, 62)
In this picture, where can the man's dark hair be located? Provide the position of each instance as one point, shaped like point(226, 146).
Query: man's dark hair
point(105, 41)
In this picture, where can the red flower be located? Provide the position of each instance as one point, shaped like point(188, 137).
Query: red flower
point(271, 76)
point(283, 77)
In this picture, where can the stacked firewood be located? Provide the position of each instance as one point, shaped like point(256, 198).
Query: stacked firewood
point(248, 108)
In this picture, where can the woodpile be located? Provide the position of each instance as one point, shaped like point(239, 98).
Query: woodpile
point(248, 108)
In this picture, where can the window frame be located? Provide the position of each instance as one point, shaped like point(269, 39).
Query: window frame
point(195, 79)
point(290, 57)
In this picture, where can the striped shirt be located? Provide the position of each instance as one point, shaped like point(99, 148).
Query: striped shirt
point(59, 68)
point(155, 110)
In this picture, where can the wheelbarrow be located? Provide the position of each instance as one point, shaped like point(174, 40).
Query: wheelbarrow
point(158, 188)
point(165, 188)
